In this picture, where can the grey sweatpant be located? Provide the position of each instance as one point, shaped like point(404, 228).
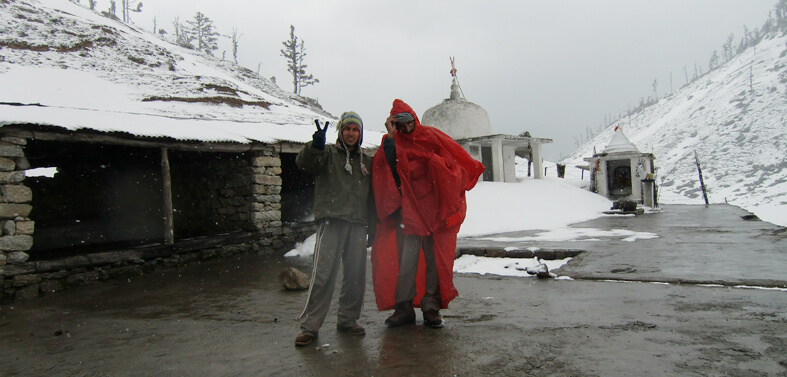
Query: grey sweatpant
point(338, 241)
point(409, 250)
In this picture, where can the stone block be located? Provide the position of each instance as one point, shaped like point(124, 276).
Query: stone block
point(266, 161)
point(264, 216)
point(82, 279)
point(16, 193)
point(260, 189)
point(19, 269)
point(51, 286)
point(16, 257)
point(267, 180)
point(267, 198)
point(2, 258)
point(62, 274)
point(124, 272)
point(271, 230)
point(9, 227)
point(112, 257)
point(12, 210)
point(7, 164)
point(22, 163)
point(26, 227)
point(520, 254)
point(63, 264)
point(25, 280)
point(27, 293)
point(16, 243)
point(14, 140)
point(11, 177)
point(11, 150)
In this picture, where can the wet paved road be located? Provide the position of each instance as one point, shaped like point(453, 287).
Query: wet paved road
point(231, 318)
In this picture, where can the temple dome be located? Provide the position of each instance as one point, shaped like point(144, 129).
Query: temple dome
point(458, 117)
point(619, 143)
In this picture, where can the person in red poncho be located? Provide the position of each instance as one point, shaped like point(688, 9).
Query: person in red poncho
point(419, 179)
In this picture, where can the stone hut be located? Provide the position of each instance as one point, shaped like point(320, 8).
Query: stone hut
point(622, 173)
point(119, 206)
point(469, 125)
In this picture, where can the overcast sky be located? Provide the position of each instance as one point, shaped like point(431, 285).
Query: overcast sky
point(553, 68)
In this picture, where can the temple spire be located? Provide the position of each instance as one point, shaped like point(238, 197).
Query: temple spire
point(456, 89)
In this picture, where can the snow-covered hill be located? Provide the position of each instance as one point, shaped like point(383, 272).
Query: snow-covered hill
point(734, 118)
point(64, 65)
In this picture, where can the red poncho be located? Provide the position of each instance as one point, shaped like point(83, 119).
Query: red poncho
point(435, 171)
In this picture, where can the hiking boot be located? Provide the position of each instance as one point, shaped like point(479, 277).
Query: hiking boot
point(404, 314)
point(355, 329)
point(433, 319)
point(303, 340)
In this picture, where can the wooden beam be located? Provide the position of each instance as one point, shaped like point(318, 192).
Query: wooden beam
point(169, 228)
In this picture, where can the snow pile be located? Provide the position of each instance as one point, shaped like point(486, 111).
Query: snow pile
point(303, 249)
point(504, 266)
point(733, 117)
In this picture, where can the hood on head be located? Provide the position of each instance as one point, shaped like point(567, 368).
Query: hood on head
point(400, 106)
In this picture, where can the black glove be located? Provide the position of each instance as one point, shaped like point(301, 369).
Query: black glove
point(318, 139)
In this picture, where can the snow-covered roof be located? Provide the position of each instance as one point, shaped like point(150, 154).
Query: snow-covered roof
point(619, 143)
point(66, 66)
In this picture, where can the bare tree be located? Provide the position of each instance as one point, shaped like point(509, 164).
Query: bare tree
point(182, 37)
point(295, 52)
point(686, 73)
point(235, 37)
point(112, 11)
point(655, 90)
point(127, 6)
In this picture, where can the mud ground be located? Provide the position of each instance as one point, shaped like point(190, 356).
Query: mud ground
point(232, 318)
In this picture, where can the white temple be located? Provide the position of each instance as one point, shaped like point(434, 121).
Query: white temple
point(469, 125)
point(622, 172)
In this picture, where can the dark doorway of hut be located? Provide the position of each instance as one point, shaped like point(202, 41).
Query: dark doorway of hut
point(107, 197)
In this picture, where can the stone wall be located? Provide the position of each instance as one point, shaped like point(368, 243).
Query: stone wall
point(266, 190)
point(17, 228)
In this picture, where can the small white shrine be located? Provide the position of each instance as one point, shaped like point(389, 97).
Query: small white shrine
point(469, 125)
point(622, 173)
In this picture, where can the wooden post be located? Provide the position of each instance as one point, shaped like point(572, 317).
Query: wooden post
point(702, 182)
point(169, 233)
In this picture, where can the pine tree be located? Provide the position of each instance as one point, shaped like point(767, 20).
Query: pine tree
point(727, 48)
point(295, 52)
point(714, 61)
point(206, 37)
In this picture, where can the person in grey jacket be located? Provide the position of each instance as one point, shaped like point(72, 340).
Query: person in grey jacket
point(344, 209)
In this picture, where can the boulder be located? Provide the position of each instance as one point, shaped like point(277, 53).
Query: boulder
point(293, 279)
